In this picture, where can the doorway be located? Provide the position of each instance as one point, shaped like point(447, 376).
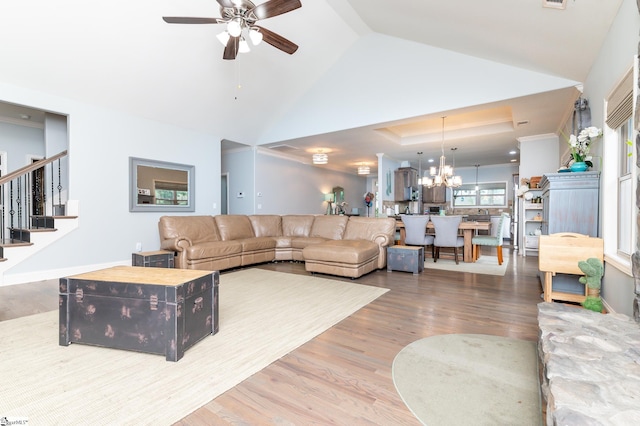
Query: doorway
point(224, 193)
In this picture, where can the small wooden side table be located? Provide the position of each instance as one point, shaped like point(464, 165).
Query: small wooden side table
point(405, 258)
point(155, 259)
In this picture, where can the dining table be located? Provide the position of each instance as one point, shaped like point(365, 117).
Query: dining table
point(468, 229)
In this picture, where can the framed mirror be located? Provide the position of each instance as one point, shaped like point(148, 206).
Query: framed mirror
point(160, 186)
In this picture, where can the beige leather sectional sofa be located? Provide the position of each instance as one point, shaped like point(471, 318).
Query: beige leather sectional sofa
point(337, 245)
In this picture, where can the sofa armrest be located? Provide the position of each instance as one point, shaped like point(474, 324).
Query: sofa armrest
point(382, 240)
point(178, 245)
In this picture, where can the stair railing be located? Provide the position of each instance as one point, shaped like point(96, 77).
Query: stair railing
point(23, 197)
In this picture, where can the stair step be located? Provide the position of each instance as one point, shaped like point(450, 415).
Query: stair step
point(42, 221)
point(14, 243)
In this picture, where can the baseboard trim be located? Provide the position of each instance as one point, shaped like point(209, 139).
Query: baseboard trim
point(29, 277)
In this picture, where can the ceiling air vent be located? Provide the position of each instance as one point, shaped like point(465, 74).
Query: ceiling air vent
point(283, 148)
point(554, 4)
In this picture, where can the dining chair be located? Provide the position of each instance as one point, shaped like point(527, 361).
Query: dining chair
point(494, 240)
point(415, 227)
point(447, 236)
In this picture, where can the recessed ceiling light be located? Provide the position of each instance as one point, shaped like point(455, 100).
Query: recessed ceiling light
point(430, 160)
point(25, 116)
point(512, 152)
point(513, 160)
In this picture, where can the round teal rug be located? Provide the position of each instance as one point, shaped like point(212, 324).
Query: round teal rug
point(470, 379)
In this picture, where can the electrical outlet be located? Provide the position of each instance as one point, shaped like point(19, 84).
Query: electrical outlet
point(138, 246)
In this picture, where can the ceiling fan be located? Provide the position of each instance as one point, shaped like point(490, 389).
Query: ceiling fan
point(241, 16)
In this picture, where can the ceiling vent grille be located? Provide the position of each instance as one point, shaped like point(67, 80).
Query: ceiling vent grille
point(283, 148)
point(555, 4)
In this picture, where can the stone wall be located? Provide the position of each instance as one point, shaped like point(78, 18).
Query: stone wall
point(635, 258)
point(589, 366)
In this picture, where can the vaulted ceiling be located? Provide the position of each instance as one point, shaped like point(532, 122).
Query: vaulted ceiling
point(369, 76)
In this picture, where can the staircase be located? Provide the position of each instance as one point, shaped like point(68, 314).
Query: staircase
point(30, 219)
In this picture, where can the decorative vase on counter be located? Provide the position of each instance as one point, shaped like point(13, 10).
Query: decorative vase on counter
point(579, 166)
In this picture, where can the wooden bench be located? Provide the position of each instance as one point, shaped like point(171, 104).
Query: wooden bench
point(560, 253)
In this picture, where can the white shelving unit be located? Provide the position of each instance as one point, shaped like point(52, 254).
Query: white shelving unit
point(532, 214)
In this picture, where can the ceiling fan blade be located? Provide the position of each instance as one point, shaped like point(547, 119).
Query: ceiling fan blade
point(278, 41)
point(231, 50)
point(225, 3)
point(185, 20)
point(272, 8)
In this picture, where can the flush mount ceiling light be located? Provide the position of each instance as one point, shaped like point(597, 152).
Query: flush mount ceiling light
point(444, 174)
point(320, 158)
point(364, 169)
point(555, 4)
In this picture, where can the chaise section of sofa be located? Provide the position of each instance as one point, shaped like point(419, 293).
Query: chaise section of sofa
point(362, 249)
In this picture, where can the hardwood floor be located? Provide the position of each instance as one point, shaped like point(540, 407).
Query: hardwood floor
point(344, 376)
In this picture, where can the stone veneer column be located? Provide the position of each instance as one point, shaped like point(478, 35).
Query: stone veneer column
point(636, 256)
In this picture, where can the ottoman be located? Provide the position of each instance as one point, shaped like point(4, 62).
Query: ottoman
point(348, 258)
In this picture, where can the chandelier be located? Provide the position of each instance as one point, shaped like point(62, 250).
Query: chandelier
point(443, 175)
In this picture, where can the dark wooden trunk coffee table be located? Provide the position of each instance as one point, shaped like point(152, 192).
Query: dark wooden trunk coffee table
point(152, 310)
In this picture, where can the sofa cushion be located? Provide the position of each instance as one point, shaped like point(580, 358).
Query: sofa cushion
point(302, 242)
point(330, 227)
point(234, 227)
point(266, 225)
point(366, 228)
point(196, 228)
point(296, 225)
point(342, 251)
point(213, 250)
point(257, 244)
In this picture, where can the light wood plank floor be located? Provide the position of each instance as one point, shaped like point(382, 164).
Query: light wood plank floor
point(343, 376)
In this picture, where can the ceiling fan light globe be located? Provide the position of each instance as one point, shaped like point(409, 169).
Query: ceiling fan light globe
point(255, 36)
point(234, 28)
point(223, 38)
point(243, 46)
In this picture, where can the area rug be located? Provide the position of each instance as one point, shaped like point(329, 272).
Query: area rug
point(484, 265)
point(263, 316)
point(470, 379)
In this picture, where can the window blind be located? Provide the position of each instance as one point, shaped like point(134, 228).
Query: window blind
point(620, 103)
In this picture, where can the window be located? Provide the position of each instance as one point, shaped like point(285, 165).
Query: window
point(618, 176)
point(624, 135)
point(487, 194)
point(171, 193)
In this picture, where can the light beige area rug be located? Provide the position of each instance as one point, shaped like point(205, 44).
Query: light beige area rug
point(484, 265)
point(470, 379)
point(263, 316)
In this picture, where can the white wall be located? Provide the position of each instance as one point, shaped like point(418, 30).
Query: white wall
point(285, 186)
point(539, 155)
point(358, 91)
point(20, 142)
point(615, 58)
point(100, 144)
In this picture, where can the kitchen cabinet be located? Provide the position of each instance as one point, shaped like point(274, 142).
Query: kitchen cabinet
point(405, 184)
point(571, 203)
point(435, 195)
